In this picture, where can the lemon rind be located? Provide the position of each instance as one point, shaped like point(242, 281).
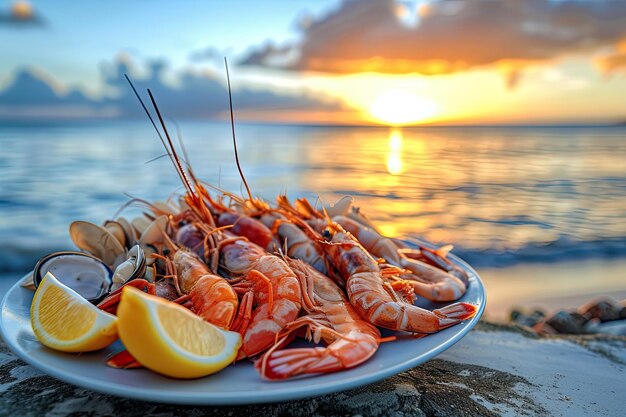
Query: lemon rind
point(177, 362)
point(105, 323)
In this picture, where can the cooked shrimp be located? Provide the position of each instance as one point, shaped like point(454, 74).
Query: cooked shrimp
point(272, 296)
point(374, 298)
point(297, 243)
point(427, 281)
point(350, 339)
point(255, 230)
point(211, 296)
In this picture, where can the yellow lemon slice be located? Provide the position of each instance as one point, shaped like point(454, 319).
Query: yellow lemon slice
point(171, 340)
point(63, 320)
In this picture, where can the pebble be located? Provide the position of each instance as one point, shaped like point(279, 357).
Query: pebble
point(602, 315)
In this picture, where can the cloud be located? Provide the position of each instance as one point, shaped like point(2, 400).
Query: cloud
point(446, 36)
point(32, 87)
point(614, 61)
point(20, 14)
point(32, 94)
point(211, 54)
point(199, 94)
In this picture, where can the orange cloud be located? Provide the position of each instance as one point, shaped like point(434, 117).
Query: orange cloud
point(615, 61)
point(446, 36)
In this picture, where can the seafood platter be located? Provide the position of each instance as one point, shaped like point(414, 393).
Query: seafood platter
point(216, 298)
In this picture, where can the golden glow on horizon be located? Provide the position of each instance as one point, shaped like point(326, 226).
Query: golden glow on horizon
point(394, 158)
point(480, 96)
point(399, 108)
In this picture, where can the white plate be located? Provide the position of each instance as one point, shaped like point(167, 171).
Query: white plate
point(237, 384)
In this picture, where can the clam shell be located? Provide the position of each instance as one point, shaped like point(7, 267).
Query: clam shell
point(133, 267)
point(341, 207)
point(165, 207)
point(150, 274)
point(140, 224)
point(149, 250)
point(98, 241)
point(129, 231)
point(84, 273)
point(116, 230)
point(153, 234)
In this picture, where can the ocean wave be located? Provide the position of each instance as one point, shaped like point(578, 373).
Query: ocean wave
point(21, 259)
point(560, 250)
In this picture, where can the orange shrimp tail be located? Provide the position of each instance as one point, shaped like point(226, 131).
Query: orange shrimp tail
point(454, 314)
point(292, 362)
point(123, 360)
point(342, 354)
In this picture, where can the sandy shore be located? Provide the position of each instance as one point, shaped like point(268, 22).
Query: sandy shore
point(551, 286)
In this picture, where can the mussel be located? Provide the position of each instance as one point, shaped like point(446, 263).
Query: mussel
point(84, 273)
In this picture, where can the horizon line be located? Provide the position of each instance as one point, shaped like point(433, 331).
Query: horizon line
point(89, 120)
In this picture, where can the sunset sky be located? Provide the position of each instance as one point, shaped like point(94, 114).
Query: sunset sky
point(381, 62)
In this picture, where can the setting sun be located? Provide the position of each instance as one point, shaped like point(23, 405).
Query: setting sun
point(397, 107)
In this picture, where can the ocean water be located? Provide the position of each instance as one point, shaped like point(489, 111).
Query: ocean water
point(502, 196)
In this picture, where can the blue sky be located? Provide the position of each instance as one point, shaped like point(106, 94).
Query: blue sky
point(78, 36)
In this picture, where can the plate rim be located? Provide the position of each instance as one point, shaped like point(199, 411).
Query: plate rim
point(280, 394)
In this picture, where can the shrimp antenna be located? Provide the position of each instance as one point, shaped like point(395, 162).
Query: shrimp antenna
point(155, 158)
point(148, 114)
point(232, 123)
point(186, 159)
point(175, 157)
point(154, 124)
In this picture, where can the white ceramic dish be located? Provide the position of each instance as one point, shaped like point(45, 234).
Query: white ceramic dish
point(235, 385)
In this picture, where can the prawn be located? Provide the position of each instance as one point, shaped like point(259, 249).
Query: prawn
point(435, 257)
point(374, 297)
point(330, 316)
point(211, 296)
point(271, 293)
point(296, 242)
point(427, 281)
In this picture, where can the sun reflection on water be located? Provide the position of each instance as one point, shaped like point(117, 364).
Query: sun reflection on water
point(394, 158)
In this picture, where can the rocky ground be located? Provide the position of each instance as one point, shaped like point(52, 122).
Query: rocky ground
point(495, 370)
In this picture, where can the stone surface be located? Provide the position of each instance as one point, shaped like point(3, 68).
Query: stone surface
point(495, 370)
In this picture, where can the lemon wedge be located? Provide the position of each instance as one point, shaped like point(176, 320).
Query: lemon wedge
point(63, 320)
point(171, 340)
